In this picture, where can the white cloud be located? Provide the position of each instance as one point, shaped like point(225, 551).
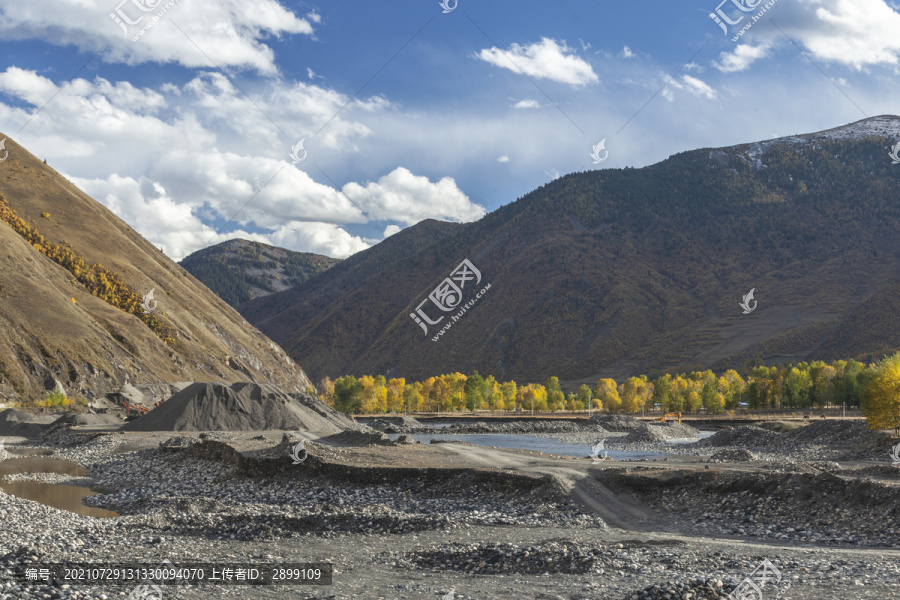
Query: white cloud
point(743, 56)
point(134, 125)
point(547, 59)
point(402, 196)
point(503, 159)
point(626, 52)
point(153, 157)
point(698, 87)
point(527, 104)
point(856, 33)
point(853, 32)
point(175, 227)
point(231, 32)
point(692, 85)
point(321, 238)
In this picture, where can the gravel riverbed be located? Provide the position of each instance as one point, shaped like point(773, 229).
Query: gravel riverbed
point(473, 538)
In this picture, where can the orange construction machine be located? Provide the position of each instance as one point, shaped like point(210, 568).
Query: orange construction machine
point(663, 418)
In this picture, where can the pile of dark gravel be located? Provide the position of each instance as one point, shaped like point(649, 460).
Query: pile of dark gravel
point(658, 432)
point(853, 437)
point(674, 429)
point(241, 407)
point(645, 433)
point(618, 423)
point(747, 436)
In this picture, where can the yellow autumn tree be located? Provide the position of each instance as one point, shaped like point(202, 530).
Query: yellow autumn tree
point(508, 392)
point(532, 397)
point(394, 395)
point(635, 392)
point(413, 399)
point(881, 395)
point(607, 392)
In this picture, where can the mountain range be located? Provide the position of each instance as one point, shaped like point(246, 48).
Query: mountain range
point(616, 272)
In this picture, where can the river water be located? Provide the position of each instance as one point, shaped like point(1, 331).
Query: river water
point(57, 495)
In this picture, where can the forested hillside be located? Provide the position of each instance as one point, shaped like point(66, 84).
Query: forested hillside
point(617, 272)
point(239, 270)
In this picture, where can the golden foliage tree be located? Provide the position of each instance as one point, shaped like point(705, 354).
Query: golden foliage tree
point(881, 395)
point(607, 392)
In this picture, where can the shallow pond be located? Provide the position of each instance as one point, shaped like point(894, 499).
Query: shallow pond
point(57, 495)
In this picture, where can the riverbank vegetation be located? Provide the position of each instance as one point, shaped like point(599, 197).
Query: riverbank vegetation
point(875, 388)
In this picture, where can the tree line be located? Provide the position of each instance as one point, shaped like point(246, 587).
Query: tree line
point(874, 387)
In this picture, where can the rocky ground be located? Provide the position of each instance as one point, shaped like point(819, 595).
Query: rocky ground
point(463, 522)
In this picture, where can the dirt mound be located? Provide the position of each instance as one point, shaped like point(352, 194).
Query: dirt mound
point(645, 433)
point(748, 436)
point(90, 419)
point(779, 426)
point(619, 423)
point(18, 423)
point(659, 432)
point(241, 407)
point(834, 433)
point(854, 437)
point(675, 429)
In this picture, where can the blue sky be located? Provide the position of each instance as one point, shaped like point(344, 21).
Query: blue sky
point(477, 107)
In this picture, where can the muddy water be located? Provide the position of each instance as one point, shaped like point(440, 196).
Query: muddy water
point(64, 497)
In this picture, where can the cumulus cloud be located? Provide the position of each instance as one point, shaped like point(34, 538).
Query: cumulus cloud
point(742, 57)
point(856, 33)
point(626, 52)
point(321, 238)
point(176, 228)
point(232, 33)
point(153, 157)
point(547, 59)
point(135, 125)
point(527, 104)
point(402, 196)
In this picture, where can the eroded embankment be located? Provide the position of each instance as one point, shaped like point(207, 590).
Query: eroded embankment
point(209, 488)
point(318, 465)
point(821, 508)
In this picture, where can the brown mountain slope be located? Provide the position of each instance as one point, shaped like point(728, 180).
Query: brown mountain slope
point(625, 271)
point(240, 270)
point(54, 329)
